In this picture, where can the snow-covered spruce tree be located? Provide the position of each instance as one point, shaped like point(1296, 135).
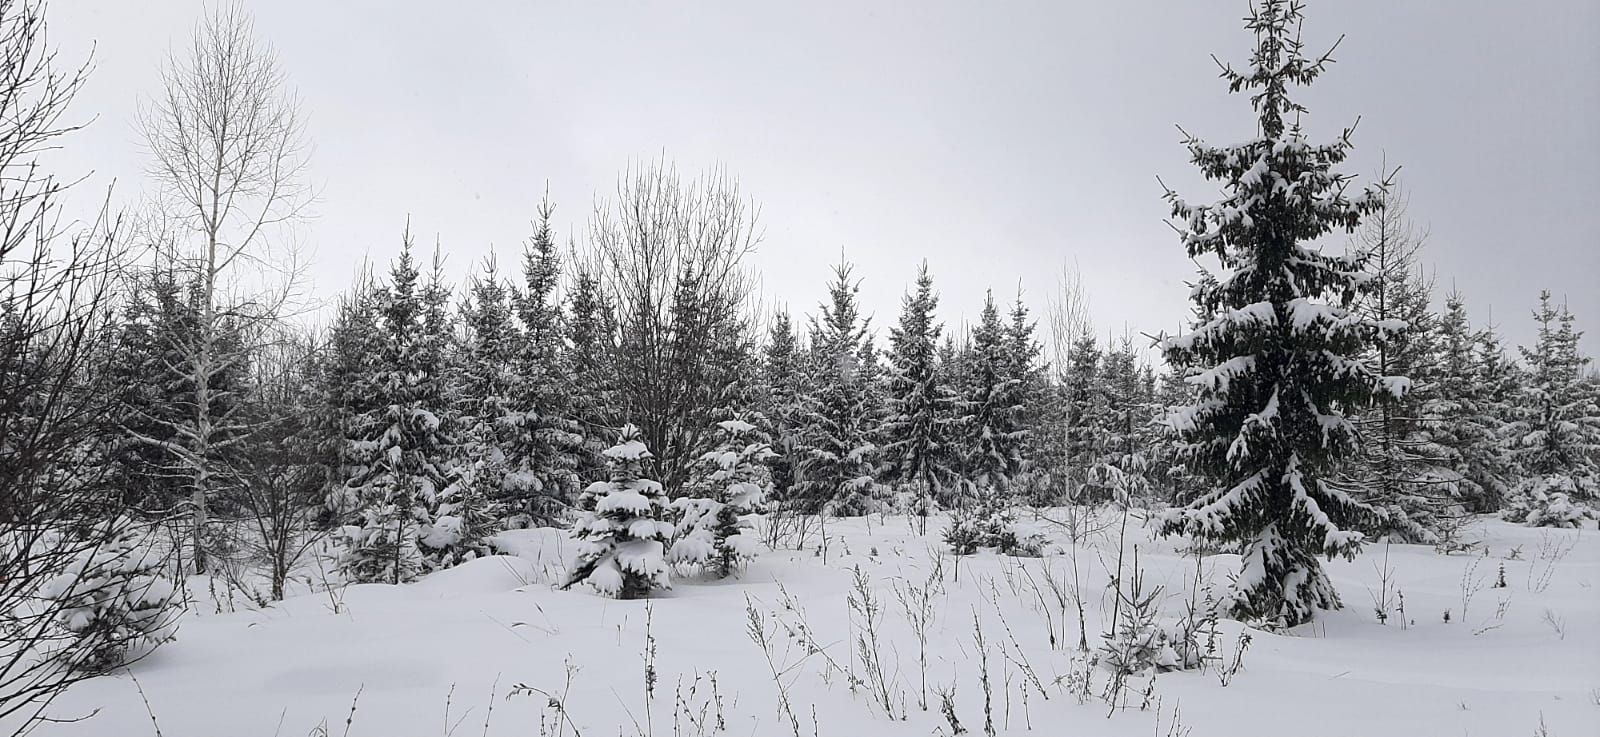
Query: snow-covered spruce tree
point(1086, 412)
point(591, 384)
point(1400, 472)
point(1557, 434)
point(1501, 380)
point(715, 529)
point(874, 380)
point(1461, 423)
point(917, 452)
point(151, 396)
point(545, 444)
point(484, 382)
point(115, 598)
point(621, 534)
point(993, 422)
point(782, 398)
point(400, 447)
point(345, 387)
point(1279, 362)
point(836, 448)
point(455, 519)
point(953, 366)
point(1119, 469)
point(1177, 483)
point(1025, 369)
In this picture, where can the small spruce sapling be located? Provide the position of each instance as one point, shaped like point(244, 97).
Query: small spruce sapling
point(715, 528)
point(114, 599)
point(622, 536)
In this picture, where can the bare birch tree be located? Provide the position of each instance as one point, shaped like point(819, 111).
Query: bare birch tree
point(1069, 320)
point(228, 151)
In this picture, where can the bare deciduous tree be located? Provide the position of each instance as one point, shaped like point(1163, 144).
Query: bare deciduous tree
point(57, 297)
point(1069, 321)
point(670, 255)
point(228, 150)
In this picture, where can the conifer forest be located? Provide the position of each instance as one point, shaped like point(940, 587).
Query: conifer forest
point(629, 475)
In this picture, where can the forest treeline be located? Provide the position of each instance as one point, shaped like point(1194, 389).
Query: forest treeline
point(628, 379)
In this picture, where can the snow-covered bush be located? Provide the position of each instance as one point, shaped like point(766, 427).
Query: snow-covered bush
point(622, 537)
point(715, 529)
point(990, 523)
point(1550, 501)
point(115, 599)
point(1140, 640)
point(460, 528)
point(383, 549)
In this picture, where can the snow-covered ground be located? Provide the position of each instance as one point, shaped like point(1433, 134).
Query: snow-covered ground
point(434, 658)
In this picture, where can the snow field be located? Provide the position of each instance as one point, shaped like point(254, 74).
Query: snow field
point(431, 658)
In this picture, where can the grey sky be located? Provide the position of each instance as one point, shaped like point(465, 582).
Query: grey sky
point(996, 139)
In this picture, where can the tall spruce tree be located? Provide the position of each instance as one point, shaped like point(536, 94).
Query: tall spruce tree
point(1026, 370)
point(993, 424)
point(917, 436)
point(591, 384)
point(400, 447)
point(837, 455)
point(1119, 465)
point(1278, 347)
point(1401, 473)
point(1085, 408)
point(546, 442)
point(486, 384)
point(346, 392)
point(782, 400)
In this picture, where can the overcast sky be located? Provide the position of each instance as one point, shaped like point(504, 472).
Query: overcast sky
point(996, 139)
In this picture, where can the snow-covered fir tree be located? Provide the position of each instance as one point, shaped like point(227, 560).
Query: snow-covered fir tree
point(345, 384)
point(591, 382)
point(115, 598)
point(1086, 409)
point(782, 401)
point(1119, 421)
point(716, 526)
point(1557, 433)
point(546, 443)
point(622, 535)
point(916, 439)
point(994, 434)
point(1461, 423)
point(400, 447)
point(1172, 477)
point(1277, 348)
point(152, 387)
point(486, 382)
point(1029, 375)
point(837, 452)
point(1400, 472)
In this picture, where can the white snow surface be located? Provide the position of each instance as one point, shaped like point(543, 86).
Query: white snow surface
point(488, 624)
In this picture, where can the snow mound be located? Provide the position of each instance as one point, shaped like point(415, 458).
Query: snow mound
point(484, 575)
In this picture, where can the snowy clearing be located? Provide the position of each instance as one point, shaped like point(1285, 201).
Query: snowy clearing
point(432, 658)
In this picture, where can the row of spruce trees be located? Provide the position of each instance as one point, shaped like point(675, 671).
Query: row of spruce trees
point(425, 419)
